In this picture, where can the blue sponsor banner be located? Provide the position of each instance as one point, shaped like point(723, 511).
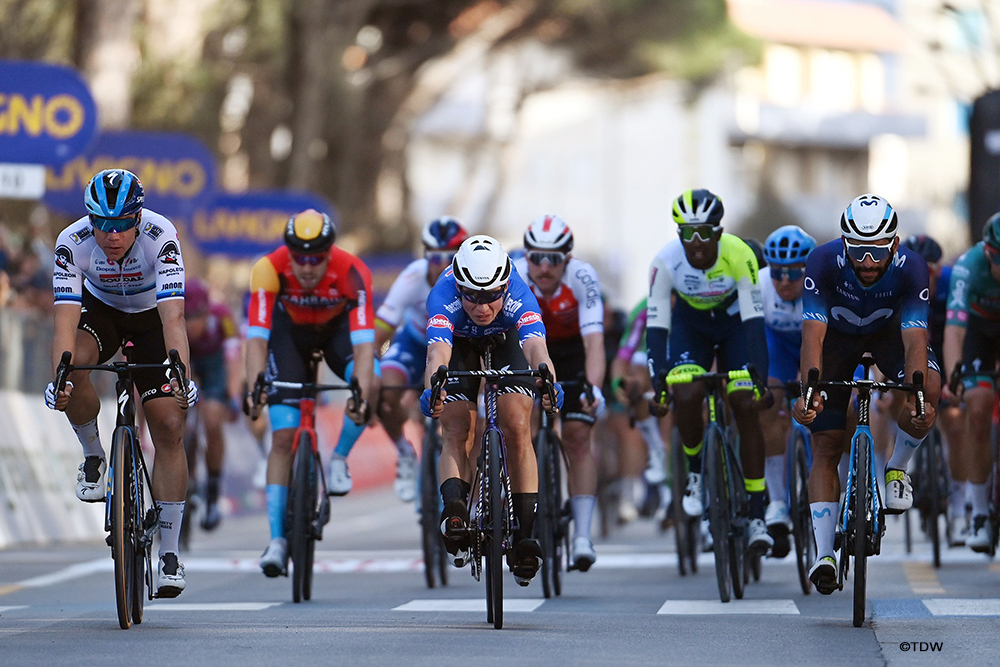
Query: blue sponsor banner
point(47, 115)
point(176, 170)
point(250, 224)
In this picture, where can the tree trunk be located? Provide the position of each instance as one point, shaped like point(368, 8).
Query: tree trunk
point(106, 52)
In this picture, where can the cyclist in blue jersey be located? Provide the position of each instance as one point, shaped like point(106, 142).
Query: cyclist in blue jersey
point(785, 251)
point(862, 293)
point(482, 296)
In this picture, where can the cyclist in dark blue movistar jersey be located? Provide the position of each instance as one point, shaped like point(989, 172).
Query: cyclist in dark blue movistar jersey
point(862, 293)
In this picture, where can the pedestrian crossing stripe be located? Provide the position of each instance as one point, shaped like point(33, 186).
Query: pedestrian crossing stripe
point(13, 607)
point(966, 607)
point(470, 605)
point(212, 606)
point(711, 607)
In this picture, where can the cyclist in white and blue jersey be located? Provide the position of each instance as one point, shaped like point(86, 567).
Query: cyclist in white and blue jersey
point(862, 293)
point(785, 251)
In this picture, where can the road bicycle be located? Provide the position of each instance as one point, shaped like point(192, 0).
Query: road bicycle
point(862, 515)
point(432, 541)
point(491, 529)
point(931, 482)
point(131, 516)
point(308, 509)
point(687, 530)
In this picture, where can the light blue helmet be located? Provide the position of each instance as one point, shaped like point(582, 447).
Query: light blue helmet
point(788, 245)
point(114, 193)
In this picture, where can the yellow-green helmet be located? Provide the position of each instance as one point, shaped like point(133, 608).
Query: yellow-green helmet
point(698, 207)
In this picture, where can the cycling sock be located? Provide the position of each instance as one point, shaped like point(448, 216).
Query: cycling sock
point(757, 491)
point(349, 434)
point(454, 488)
point(649, 429)
point(405, 449)
point(903, 451)
point(583, 514)
point(524, 512)
point(171, 516)
point(212, 488)
point(956, 498)
point(694, 457)
point(90, 439)
point(824, 527)
point(277, 503)
point(774, 473)
point(980, 504)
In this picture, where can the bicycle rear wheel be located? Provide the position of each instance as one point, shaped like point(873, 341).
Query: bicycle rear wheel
point(862, 528)
point(718, 510)
point(430, 509)
point(302, 503)
point(739, 559)
point(141, 548)
point(122, 525)
point(495, 510)
point(798, 508)
point(682, 524)
point(561, 514)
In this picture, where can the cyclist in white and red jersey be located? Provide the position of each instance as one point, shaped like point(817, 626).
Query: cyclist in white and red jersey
point(569, 295)
point(119, 276)
point(402, 317)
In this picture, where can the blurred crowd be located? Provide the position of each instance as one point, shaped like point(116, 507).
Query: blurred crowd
point(26, 265)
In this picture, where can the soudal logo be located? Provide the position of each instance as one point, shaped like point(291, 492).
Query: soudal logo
point(439, 322)
point(528, 318)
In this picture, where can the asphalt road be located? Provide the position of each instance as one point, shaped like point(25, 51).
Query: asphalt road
point(369, 607)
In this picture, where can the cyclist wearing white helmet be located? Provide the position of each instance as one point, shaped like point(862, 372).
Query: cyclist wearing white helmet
point(785, 252)
point(863, 293)
point(402, 317)
point(569, 294)
point(482, 296)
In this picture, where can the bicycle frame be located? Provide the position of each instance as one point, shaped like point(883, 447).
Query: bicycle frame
point(875, 499)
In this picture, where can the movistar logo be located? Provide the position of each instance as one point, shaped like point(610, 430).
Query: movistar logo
point(820, 515)
point(839, 312)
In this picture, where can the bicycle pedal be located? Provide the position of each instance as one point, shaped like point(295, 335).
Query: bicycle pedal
point(109, 541)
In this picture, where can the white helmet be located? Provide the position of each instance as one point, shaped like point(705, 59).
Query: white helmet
point(549, 232)
point(481, 264)
point(868, 218)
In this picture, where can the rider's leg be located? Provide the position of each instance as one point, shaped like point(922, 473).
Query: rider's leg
point(978, 416)
point(214, 414)
point(744, 404)
point(909, 437)
point(170, 476)
point(582, 475)
point(284, 421)
point(392, 411)
point(775, 423)
point(84, 404)
point(824, 488)
point(951, 420)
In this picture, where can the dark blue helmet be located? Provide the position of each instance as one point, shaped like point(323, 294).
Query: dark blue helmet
point(114, 193)
point(924, 246)
point(444, 233)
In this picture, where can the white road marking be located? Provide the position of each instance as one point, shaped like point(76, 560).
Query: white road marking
point(702, 607)
point(969, 607)
point(212, 606)
point(476, 605)
point(13, 607)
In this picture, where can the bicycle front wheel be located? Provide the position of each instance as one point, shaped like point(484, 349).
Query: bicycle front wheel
point(302, 503)
point(123, 546)
point(798, 508)
point(495, 520)
point(545, 526)
point(682, 523)
point(862, 528)
point(718, 509)
point(933, 490)
point(430, 511)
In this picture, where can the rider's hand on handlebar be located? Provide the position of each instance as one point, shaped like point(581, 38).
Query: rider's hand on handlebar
point(560, 396)
point(930, 414)
point(950, 397)
point(359, 414)
point(799, 411)
point(187, 400)
point(425, 404)
point(594, 406)
point(54, 402)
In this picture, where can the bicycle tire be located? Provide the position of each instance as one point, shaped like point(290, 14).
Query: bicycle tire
point(718, 510)
point(122, 535)
point(862, 527)
point(801, 514)
point(545, 517)
point(300, 525)
point(739, 560)
point(560, 513)
point(681, 520)
point(314, 512)
point(933, 494)
point(141, 551)
point(429, 509)
point(497, 510)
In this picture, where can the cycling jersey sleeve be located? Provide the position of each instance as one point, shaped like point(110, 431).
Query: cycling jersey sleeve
point(357, 287)
point(403, 293)
point(443, 305)
point(521, 307)
point(915, 308)
point(264, 288)
point(635, 332)
point(658, 315)
point(67, 277)
point(170, 269)
point(748, 290)
point(587, 288)
point(958, 291)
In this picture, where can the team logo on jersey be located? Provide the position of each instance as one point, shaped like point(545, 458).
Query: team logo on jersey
point(440, 322)
point(81, 235)
point(169, 254)
point(841, 313)
point(153, 231)
point(528, 318)
point(64, 257)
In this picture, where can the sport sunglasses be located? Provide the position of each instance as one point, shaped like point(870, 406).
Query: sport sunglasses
point(859, 251)
point(439, 256)
point(554, 258)
point(703, 232)
point(780, 273)
point(114, 225)
point(992, 254)
point(308, 260)
point(481, 297)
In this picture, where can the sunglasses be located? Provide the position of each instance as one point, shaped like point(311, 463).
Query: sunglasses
point(308, 260)
point(536, 257)
point(779, 273)
point(992, 254)
point(438, 256)
point(702, 232)
point(481, 297)
point(114, 225)
point(858, 252)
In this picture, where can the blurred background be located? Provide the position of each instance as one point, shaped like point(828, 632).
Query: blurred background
point(388, 113)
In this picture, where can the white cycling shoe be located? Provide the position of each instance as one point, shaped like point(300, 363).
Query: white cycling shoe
point(338, 479)
point(169, 576)
point(91, 482)
point(759, 539)
point(406, 478)
point(583, 553)
point(898, 492)
point(979, 539)
point(274, 560)
point(692, 497)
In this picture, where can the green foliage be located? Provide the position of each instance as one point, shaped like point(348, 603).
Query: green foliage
point(37, 30)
